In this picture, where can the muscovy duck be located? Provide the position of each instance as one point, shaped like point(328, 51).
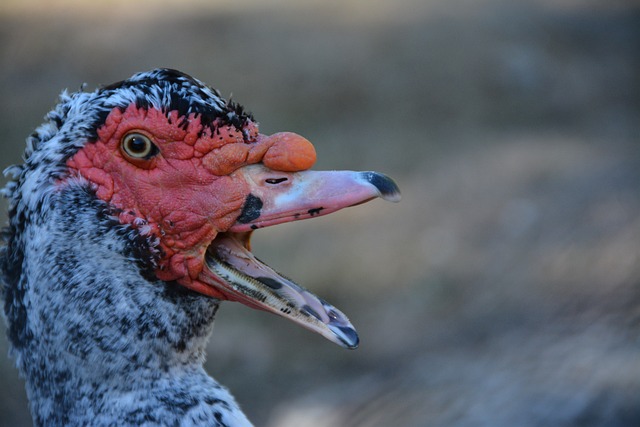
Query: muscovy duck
point(129, 221)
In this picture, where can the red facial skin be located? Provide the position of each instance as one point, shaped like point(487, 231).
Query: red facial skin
point(187, 193)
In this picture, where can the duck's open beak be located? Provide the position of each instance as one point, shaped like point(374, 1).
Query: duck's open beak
point(274, 198)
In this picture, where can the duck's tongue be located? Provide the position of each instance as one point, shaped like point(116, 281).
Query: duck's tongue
point(276, 198)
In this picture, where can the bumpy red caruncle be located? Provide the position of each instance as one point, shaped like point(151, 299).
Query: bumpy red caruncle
point(187, 193)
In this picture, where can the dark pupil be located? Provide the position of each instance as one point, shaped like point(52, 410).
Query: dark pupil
point(137, 144)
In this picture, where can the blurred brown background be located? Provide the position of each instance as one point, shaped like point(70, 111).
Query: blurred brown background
point(504, 290)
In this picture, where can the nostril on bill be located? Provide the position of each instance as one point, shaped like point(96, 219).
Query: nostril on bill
point(386, 186)
point(274, 181)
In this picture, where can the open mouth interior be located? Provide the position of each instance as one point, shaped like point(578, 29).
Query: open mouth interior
point(241, 276)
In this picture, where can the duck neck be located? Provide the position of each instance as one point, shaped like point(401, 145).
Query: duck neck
point(97, 341)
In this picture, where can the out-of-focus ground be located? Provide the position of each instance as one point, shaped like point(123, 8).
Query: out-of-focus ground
point(504, 290)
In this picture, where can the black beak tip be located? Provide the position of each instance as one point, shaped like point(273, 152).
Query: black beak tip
point(348, 337)
point(387, 188)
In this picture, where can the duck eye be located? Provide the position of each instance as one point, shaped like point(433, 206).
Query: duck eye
point(138, 146)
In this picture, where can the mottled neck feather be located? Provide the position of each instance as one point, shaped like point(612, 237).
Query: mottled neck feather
point(97, 341)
